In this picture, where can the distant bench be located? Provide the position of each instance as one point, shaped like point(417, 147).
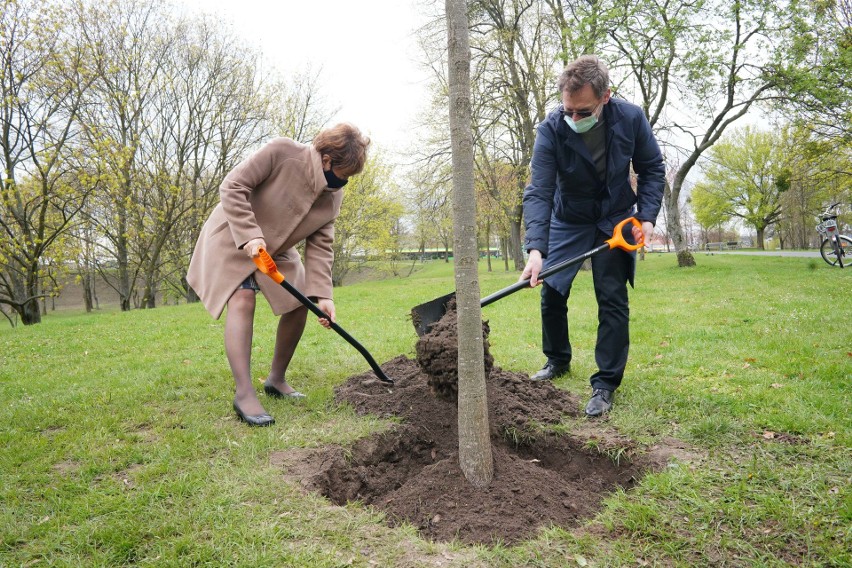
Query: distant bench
point(728, 245)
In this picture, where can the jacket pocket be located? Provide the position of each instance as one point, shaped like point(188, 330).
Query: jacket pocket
point(582, 211)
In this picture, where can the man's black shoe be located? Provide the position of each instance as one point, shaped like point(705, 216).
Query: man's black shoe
point(551, 371)
point(600, 402)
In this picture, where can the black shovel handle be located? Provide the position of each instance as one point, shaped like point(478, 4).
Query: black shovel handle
point(340, 331)
point(266, 265)
point(616, 241)
point(520, 285)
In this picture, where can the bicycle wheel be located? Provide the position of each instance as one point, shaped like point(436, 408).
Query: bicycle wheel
point(837, 257)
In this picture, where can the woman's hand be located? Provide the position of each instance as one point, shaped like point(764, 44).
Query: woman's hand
point(327, 306)
point(253, 247)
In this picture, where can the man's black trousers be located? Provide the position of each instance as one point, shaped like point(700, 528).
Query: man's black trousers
point(610, 271)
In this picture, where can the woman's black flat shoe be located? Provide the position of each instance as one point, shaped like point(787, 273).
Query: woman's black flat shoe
point(256, 420)
point(275, 393)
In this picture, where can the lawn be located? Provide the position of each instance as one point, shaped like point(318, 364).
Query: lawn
point(119, 446)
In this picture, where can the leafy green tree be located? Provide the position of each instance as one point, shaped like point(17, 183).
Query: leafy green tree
point(816, 74)
point(817, 172)
point(745, 179)
point(43, 75)
point(369, 216)
point(709, 208)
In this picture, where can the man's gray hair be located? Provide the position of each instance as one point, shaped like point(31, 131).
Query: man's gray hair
point(586, 70)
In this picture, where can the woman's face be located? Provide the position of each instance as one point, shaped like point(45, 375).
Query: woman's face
point(333, 177)
point(328, 165)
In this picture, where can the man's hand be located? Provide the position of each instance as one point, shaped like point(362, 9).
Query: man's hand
point(645, 233)
point(327, 306)
point(532, 269)
point(253, 247)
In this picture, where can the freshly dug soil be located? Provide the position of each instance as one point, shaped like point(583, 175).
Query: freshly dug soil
point(438, 354)
point(411, 471)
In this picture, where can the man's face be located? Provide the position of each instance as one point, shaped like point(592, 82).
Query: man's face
point(583, 103)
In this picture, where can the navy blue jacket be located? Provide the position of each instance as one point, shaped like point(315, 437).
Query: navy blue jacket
point(562, 222)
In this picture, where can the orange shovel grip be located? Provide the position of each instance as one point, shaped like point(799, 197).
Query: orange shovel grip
point(266, 265)
point(618, 241)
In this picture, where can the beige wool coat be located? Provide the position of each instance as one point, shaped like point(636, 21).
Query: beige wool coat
point(279, 193)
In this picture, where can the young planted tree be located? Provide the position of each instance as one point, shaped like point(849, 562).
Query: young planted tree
point(475, 456)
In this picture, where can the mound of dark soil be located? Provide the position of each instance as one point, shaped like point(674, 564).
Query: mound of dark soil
point(411, 471)
point(438, 354)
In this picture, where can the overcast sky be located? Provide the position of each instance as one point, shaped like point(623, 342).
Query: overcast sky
point(366, 50)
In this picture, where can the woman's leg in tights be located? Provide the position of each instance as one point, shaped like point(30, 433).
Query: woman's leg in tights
point(290, 328)
point(239, 327)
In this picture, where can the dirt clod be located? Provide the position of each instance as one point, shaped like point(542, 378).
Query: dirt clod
point(437, 354)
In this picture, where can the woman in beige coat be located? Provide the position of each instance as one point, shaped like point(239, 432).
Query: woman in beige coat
point(283, 194)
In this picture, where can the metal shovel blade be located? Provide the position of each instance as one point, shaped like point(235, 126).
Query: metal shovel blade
point(426, 314)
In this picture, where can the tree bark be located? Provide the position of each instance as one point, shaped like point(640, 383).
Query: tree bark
point(475, 457)
point(684, 256)
point(515, 244)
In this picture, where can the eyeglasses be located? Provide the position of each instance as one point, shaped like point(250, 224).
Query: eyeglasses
point(579, 113)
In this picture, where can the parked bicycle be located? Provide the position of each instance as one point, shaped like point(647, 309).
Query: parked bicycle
point(836, 249)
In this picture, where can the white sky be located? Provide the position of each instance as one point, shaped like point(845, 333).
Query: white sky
point(367, 53)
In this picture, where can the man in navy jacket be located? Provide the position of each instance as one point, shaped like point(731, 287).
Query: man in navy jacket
point(579, 190)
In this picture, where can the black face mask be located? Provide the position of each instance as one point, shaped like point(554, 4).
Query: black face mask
point(332, 180)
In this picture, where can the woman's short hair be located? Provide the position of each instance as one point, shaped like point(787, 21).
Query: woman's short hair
point(346, 147)
point(586, 70)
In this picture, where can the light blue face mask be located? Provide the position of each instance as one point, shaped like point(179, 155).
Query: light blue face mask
point(582, 125)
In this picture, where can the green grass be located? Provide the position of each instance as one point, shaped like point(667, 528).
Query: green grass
point(119, 446)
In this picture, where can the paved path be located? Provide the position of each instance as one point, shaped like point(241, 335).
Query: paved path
point(804, 253)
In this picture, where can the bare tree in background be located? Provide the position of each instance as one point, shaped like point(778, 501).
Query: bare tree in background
point(42, 77)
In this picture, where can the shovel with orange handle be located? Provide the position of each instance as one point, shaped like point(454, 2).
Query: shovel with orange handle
point(424, 315)
point(266, 265)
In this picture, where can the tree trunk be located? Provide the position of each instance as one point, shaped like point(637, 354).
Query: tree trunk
point(488, 243)
point(475, 457)
point(190, 295)
point(515, 245)
point(684, 257)
point(149, 295)
point(30, 312)
point(760, 236)
point(86, 285)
